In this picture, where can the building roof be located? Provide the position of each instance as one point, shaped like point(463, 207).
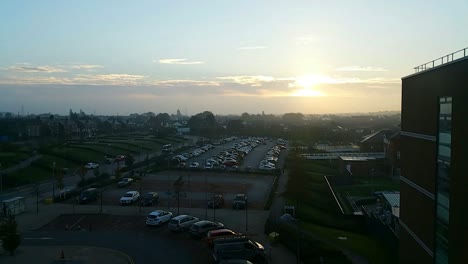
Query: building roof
point(393, 199)
point(347, 158)
point(378, 136)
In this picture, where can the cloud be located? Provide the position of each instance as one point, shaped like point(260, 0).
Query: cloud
point(361, 69)
point(178, 61)
point(252, 47)
point(185, 83)
point(28, 68)
point(85, 66)
point(253, 80)
point(82, 79)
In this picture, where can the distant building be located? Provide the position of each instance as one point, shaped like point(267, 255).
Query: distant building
point(358, 166)
point(434, 158)
point(393, 153)
point(375, 141)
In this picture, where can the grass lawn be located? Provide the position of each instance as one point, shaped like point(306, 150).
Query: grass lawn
point(363, 245)
point(321, 216)
point(78, 155)
point(25, 176)
point(9, 159)
point(365, 187)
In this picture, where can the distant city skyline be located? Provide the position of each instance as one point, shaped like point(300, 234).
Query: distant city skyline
point(226, 57)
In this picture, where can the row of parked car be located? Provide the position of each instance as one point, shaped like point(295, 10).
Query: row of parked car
point(270, 160)
point(181, 159)
point(226, 244)
point(233, 156)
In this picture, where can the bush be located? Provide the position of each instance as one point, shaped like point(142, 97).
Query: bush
point(9, 235)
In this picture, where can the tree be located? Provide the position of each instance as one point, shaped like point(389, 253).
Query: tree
point(178, 184)
point(129, 160)
point(97, 172)
point(82, 173)
point(297, 178)
point(293, 118)
point(203, 124)
point(9, 235)
point(59, 178)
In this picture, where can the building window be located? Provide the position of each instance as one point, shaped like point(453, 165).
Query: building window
point(444, 142)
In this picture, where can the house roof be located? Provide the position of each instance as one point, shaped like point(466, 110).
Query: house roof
point(393, 198)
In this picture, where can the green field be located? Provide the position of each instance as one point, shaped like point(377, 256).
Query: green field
point(75, 154)
point(364, 245)
point(365, 186)
point(320, 215)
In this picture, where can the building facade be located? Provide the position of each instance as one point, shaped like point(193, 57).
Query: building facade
point(434, 155)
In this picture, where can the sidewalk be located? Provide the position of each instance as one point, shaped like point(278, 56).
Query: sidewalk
point(53, 254)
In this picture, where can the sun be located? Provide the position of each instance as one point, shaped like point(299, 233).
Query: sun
point(307, 82)
point(306, 92)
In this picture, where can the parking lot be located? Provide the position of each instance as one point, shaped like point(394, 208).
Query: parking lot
point(251, 160)
point(198, 187)
point(125, 230)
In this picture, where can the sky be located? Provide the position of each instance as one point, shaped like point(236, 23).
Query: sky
point(228, 57)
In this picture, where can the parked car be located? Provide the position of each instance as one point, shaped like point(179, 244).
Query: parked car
point(216, 202)
point(238, 248)
point(234, 261)
point(194, 165)
point(119, 158)
point(149, 198)
point(125, 182)
point(158, 217)
point(212, 235)
point(87, 196)
point(129, 197)
point(182, 222)
point(201, 228)
point(91, 165)
point(240, 201)
point(229, 162)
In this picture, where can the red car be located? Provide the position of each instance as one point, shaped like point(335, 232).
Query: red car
point(220, 233)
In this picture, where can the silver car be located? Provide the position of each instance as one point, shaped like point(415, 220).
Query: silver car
point(182, 222)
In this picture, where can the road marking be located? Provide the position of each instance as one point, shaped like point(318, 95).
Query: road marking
point(38, 238)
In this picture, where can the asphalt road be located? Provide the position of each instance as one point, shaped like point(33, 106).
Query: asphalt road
point(153, 245)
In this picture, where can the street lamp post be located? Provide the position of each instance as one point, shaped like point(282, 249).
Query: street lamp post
point(206, 198)
point(246, 211)
point(1, 178)
point(53, 180)
point(298, 256)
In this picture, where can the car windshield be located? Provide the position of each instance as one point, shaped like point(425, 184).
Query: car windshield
point(152, 216)
point(173, 221)
point(148, 196)
point(128, 195)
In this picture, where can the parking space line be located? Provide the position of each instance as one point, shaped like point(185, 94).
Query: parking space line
point(77, 222)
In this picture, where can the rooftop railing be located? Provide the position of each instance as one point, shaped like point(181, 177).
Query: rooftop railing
point(442, 60)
